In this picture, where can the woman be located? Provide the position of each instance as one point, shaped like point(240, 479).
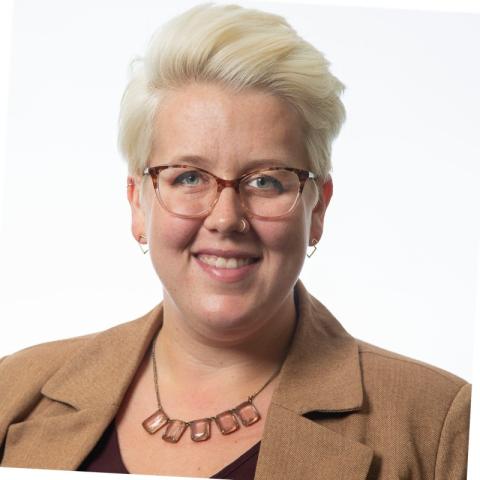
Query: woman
point(239, 373)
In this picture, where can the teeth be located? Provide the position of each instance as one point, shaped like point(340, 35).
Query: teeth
point(222, 262)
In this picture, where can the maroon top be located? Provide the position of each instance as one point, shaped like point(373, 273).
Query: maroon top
point(105, 457)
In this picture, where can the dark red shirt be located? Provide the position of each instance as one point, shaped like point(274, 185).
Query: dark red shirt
point(105, 457)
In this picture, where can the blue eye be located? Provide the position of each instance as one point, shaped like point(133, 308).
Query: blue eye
point(188, 178)
point(265, 182)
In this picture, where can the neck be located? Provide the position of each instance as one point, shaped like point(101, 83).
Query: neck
point(190, 359)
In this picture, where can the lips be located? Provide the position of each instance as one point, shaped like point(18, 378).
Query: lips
point(227, 266)
point(227, 254)
point(226, 262)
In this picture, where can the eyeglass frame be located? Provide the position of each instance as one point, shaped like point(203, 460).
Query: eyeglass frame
point(303, 176)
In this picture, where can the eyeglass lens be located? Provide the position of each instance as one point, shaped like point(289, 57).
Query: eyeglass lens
point(187, 191)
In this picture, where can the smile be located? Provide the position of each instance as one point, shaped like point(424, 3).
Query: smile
point(227, 263)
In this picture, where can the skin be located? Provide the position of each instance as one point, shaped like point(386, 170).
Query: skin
point(218, 336)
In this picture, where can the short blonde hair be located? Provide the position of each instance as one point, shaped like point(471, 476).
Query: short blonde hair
point(241, 49)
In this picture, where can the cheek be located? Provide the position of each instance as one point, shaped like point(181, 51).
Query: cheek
point(168, 233)
point(286, 238)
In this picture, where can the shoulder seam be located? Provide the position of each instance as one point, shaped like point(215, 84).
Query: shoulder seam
point(414, 362)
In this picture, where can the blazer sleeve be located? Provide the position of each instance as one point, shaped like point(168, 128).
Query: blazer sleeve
point(451, 462)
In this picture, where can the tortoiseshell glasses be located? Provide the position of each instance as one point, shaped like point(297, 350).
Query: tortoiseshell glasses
point(191, 192)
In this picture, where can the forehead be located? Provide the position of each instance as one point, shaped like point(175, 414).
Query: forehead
point(227, 129)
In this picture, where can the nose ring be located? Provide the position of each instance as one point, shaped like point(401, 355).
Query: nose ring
point(245, 226)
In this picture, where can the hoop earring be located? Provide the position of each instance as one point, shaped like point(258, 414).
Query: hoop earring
point(314, 243)
point(143, 248)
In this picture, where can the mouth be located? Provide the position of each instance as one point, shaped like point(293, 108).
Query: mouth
point(228, 263)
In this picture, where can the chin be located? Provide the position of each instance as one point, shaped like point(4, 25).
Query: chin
point(227, 315)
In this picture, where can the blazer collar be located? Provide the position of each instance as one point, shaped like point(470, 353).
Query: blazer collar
point(90, 385)
point(322, 369)
point(321, 373)
point(106, 364)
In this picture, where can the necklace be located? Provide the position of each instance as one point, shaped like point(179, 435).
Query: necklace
point(200, 429)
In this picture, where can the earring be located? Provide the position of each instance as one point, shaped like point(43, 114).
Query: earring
point(314, 243)
point(143, 248)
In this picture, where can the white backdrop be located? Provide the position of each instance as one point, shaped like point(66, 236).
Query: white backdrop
point(399, 261)
point(397, 264)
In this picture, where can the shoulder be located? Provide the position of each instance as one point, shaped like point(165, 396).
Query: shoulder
point(24, 373)
point(385, 361)
point(421, 407)
point(385, 369)
point(411, 386)
point(37, 363)
point(34, 365)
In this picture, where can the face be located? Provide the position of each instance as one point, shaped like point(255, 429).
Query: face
point(228, 134)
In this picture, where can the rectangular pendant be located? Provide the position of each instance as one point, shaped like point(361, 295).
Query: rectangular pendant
point(247, 413)
point(200, 430)
point(155, 421)
point(226, 422)
point(174, 431)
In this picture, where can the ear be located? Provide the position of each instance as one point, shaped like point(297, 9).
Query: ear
point(325, 189)
point(138, 215)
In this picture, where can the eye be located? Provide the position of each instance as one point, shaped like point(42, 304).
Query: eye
point(192, 177)
point(265, 182)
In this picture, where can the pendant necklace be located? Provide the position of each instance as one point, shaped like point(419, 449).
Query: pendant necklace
point(227, 421)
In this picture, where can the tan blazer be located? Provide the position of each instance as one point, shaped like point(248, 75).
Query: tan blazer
point(343, 409)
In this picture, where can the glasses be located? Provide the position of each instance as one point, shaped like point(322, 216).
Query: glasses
point(192, 192)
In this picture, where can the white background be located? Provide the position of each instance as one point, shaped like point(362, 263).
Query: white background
point(399, 260)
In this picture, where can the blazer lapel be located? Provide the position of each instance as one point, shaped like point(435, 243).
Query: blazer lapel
point(320, 374)
point(82, 398)
point(60, 442)
point(296, 447)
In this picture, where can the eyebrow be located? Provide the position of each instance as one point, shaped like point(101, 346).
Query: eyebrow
point(197, 160)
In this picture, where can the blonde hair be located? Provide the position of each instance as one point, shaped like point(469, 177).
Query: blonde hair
point(241, 49)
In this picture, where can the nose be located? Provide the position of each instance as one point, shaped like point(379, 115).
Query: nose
point(227, 213)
